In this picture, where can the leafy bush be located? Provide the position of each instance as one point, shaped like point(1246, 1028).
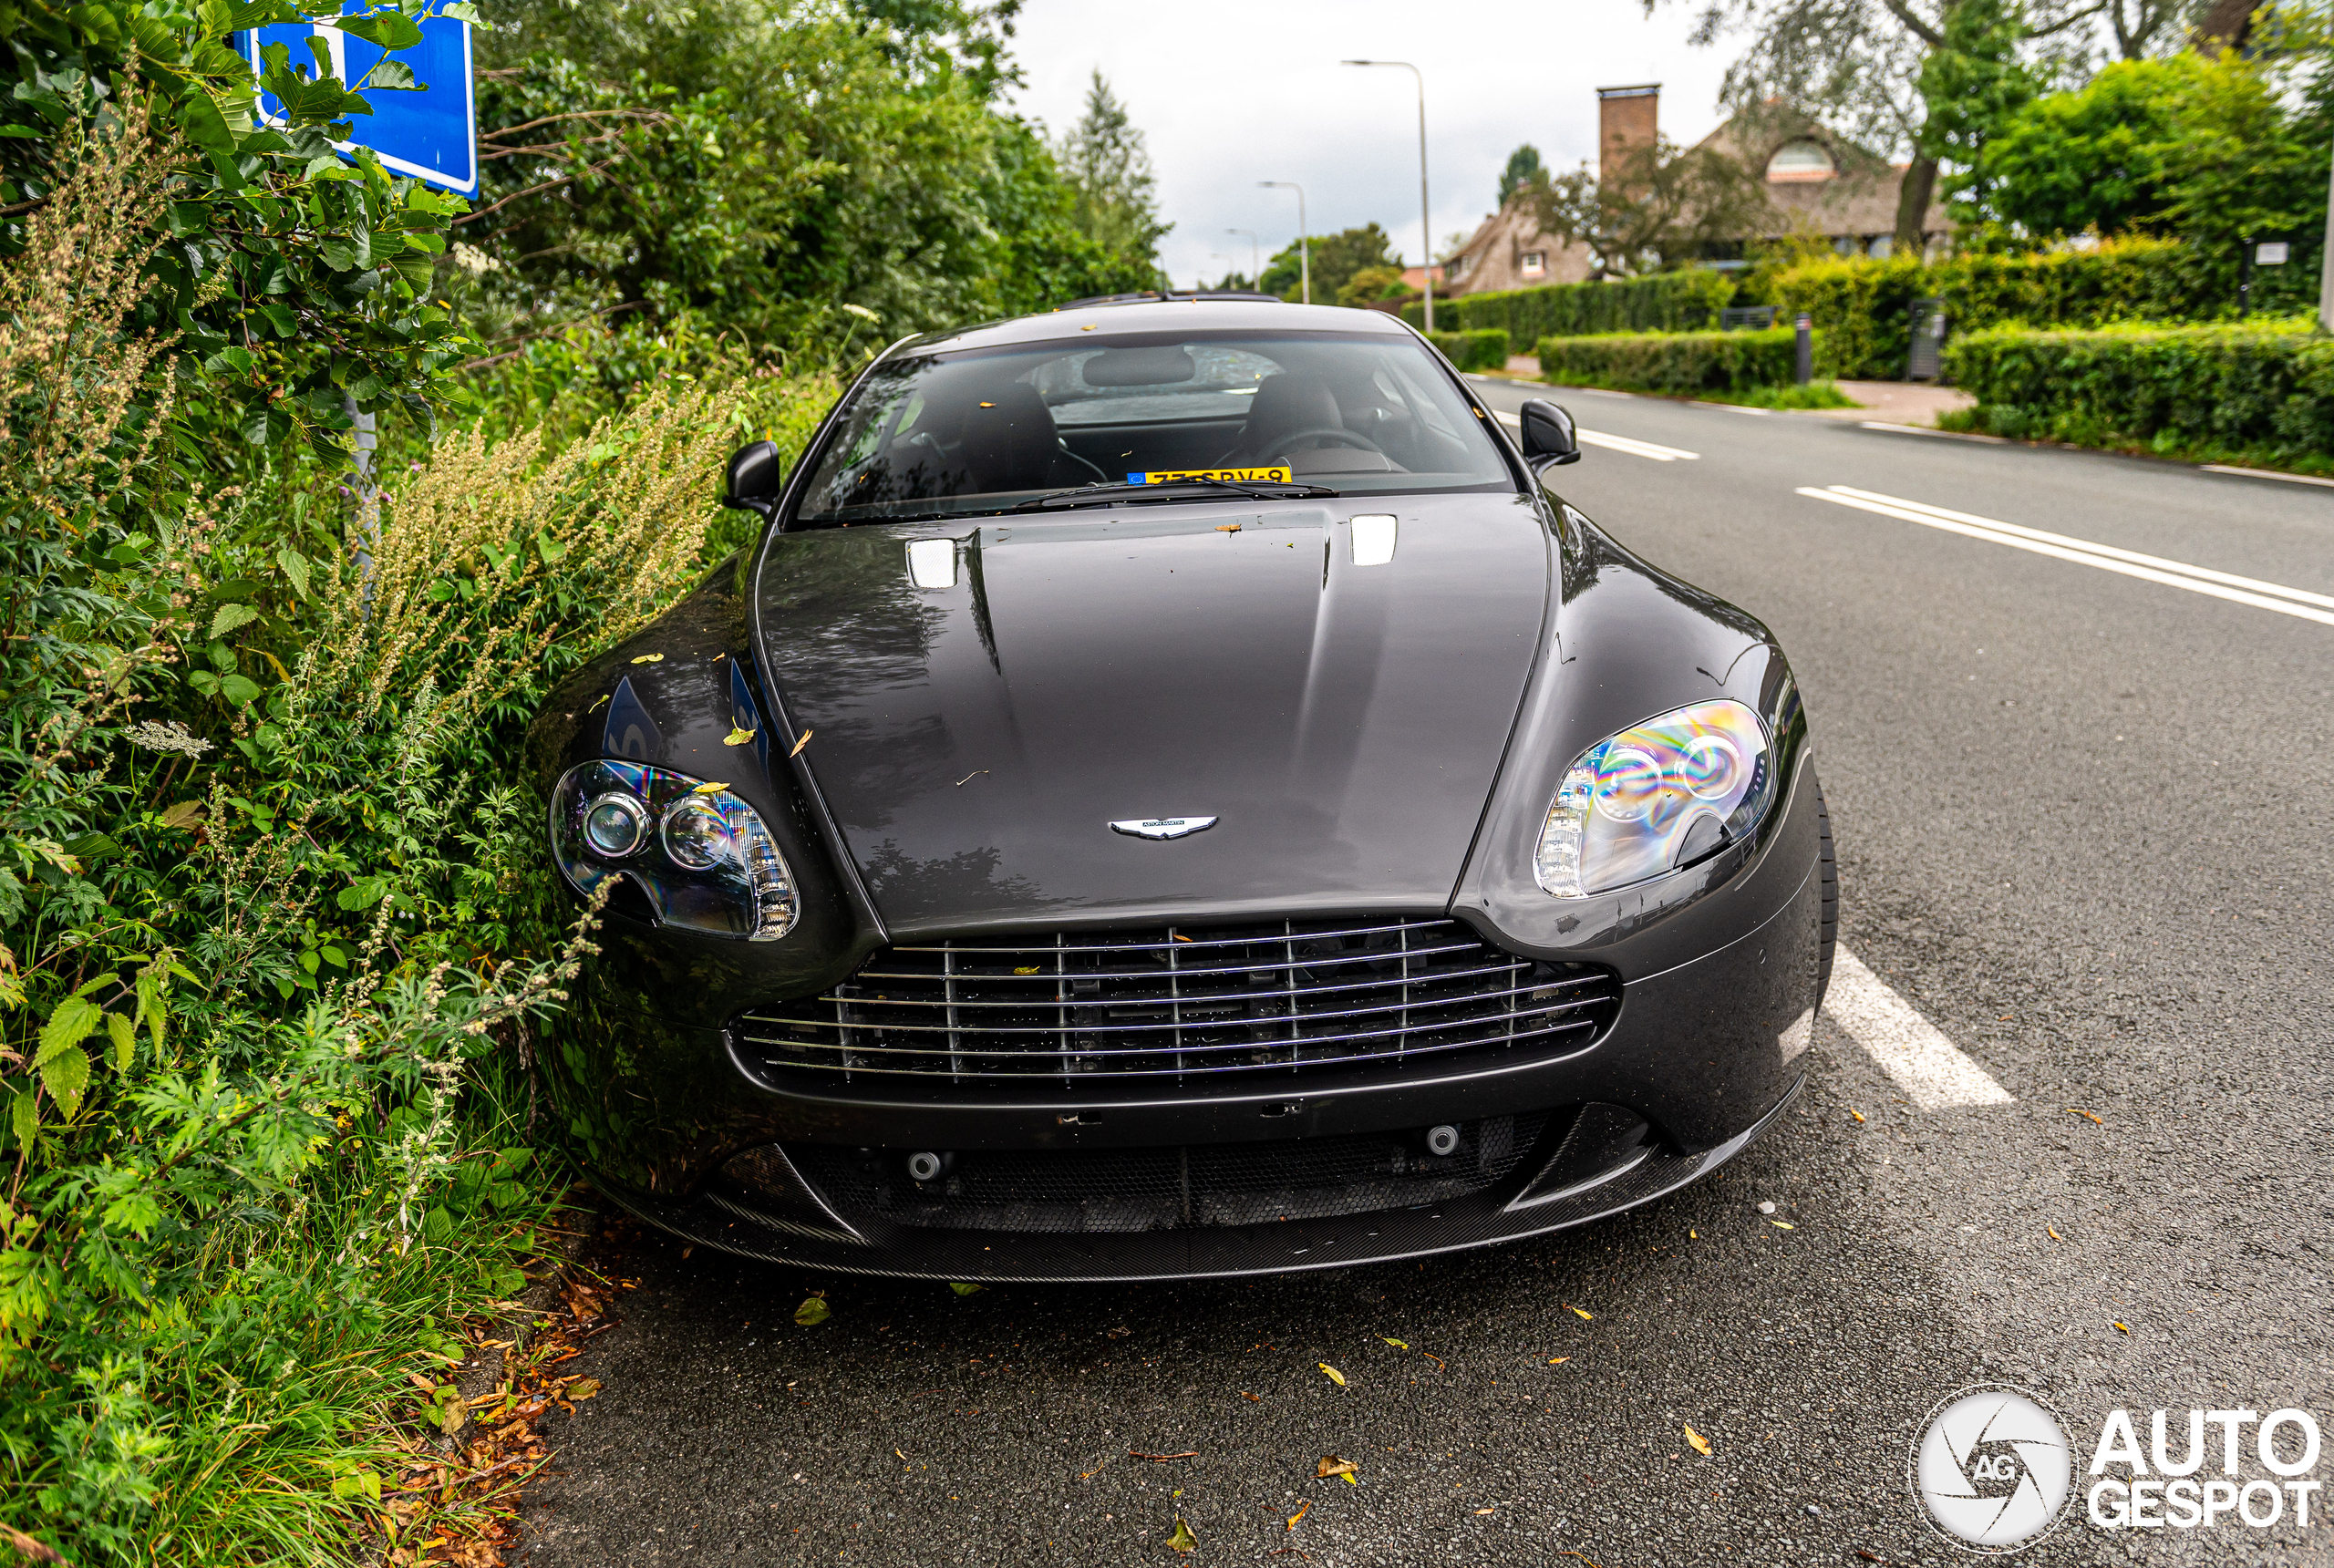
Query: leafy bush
point(1483, 349)
point(1679, 363)
point(275, 930)
point(2260, 392)
point(1665, 301)
point(1863, 306)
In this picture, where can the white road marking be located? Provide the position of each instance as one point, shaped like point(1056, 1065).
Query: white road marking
point(2265, 474)
point(1636, 448)
point(1929, 1069)
point(1930, 430)
point(1729, 408)
point(2250, 590)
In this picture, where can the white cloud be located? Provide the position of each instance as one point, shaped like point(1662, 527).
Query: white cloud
point(1230, 92)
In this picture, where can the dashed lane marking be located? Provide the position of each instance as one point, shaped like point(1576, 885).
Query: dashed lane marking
point(2249, 591)
point(1931, 1069)
point(1629, 444)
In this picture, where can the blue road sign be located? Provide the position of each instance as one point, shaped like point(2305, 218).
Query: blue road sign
point(431, 136)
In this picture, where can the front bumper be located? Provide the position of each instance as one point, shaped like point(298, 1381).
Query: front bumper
point(1718, 995)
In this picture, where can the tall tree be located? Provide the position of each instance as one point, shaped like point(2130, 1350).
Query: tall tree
point(1858, 65)
point(1523, 167)
point(1335, 259)
point(1106, 162)
point(1658, 207)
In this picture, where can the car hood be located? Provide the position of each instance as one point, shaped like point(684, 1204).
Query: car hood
point(974, 738)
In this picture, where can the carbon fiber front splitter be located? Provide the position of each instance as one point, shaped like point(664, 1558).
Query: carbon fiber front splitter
point(1287, 1247)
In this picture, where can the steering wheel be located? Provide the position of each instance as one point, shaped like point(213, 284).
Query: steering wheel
point(1336, 434)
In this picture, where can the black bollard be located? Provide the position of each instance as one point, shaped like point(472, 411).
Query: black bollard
point(1806, 369)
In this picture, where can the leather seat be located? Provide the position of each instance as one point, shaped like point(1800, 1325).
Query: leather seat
point(1008, 441)
point(1287, 404)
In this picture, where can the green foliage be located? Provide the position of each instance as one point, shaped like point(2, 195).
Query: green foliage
point(1335, 259)
point(1654, 208)
point(1665, 301)
point(1371, 284)
point(760, 166)
point(2214, 149)
point(288, 278)
point(1793, 394)
point(1485, 349)
point(1104, 160)
point(1522, 167)
point(2259, 393)
point(1971, 86)
point(1862, 307)
point(1681, 363)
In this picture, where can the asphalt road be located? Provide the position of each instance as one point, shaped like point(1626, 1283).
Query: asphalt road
point(2084, 821)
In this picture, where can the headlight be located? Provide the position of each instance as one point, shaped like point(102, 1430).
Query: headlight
point(1657, 796)
point(702, 855)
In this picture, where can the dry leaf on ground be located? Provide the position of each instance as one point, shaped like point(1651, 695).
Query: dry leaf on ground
point(583, 1388)
point(1335, 1376)
point(812, 1310)
point(1183, 1540)
point(1397, 1344)
point(1582, 1311)
point(1701, 1444)
point(1302, 1510)
point(1331, 1465)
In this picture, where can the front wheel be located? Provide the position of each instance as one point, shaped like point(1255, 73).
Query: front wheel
point(1828, 869)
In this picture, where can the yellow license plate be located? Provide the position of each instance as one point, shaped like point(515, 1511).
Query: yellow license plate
point(1237, 475)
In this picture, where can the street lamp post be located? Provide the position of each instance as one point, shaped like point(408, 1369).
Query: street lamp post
point(1256, 256)
point(1304, 245)
point(1426, 221)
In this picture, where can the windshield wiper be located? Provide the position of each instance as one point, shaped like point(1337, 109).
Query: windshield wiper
point(1101, 490)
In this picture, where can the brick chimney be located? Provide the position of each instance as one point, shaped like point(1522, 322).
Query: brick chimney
point(1627, 118)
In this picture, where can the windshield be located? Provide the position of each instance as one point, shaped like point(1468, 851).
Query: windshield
point(949, 433)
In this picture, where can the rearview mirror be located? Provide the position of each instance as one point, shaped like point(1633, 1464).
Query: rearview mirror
point(756, 478)
point(1549, 438)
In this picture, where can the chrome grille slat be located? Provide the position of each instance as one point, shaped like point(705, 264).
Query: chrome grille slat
point(1181, 1002)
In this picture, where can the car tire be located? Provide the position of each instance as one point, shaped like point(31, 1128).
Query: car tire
point(1828, 869)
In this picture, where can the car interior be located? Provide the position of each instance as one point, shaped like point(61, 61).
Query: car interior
point(1330, 409)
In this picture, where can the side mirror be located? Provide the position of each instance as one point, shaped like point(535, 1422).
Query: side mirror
point(1549, 438)
point(756, 478)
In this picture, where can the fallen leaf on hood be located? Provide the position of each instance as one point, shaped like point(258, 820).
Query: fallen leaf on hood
point(596, 707)
point(1701, 1444)
point(1182, 1539)
point(708, 789)
point(963, 1287)
point(1395, 1342)
point(812, 1310)
point(800, 744)
point(582, 1387)
point(649, 659)
point(737, 736)
point(1335, 1376)
point(1331, 1465)
point(1302, 1510)
point(1583, 1311)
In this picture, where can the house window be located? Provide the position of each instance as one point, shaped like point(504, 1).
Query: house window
point(1882, 244)
point(1535, 264)
point(1796, 161)
point(1460, 266)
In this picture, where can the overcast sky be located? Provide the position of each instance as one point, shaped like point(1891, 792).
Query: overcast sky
point(1229, 92)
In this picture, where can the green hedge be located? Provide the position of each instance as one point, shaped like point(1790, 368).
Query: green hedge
point(2263, 391)
point(1863, 307)
point(1673, 362)
point(1483, 349)
point(1665, 301)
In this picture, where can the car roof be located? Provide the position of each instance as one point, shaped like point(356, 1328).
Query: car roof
point(1199, 313)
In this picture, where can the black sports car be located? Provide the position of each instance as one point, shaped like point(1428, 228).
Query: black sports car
point(1174, 792)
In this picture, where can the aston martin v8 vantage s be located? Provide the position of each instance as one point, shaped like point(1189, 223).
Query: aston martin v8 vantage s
point(1176, 791)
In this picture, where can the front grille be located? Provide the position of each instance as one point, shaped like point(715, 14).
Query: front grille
point(1289, 996)
point(1091, 1189)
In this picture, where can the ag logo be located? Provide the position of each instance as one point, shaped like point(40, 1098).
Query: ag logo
point(1992, 1468)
